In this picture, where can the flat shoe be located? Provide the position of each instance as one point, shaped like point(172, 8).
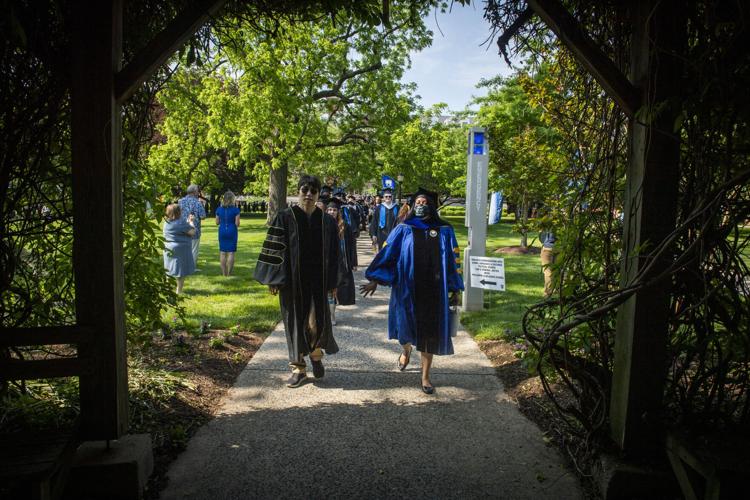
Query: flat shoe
point(407, 355)
point(428, 389)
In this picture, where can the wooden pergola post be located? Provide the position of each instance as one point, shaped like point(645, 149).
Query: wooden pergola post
point(98, 88)
point(96, 135)
point(650, 198)
point(650, 214)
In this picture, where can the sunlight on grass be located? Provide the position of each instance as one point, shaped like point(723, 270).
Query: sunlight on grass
point(237, 299)
point(240, 300)
point(524, 283)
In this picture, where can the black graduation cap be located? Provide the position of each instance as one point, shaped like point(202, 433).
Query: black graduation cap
point(335, 203)
point(432, 197)
point(386, 190)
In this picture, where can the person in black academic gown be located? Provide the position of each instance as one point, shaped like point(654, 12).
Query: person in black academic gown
point(384, 219)
point(350, 215)
point(420, 262)
point(299, 261)
point(345, 292)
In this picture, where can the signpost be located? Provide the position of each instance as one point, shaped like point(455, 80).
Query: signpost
point(476, 213)
point(487, 273)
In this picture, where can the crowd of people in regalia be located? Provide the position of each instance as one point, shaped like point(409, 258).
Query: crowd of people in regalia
point(309, 258)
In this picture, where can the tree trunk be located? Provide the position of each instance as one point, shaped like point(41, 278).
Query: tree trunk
point(522, 222)
point(213, 202)
point(277, 191)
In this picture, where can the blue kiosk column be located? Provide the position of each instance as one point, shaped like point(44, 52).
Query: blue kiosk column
point(476, 213)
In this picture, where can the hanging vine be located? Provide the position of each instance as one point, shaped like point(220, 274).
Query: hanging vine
point(572, 334)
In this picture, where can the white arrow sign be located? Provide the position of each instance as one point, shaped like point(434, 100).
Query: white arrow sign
point(487, 272)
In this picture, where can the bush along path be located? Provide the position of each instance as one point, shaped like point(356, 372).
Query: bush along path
point(366, 430)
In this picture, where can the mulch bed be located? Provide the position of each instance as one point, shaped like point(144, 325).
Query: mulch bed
point(208, 373)
point(518, 250)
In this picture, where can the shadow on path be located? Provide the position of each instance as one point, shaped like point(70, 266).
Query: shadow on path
point(366, 430)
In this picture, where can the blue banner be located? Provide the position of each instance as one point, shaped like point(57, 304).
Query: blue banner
point(496, 208)
point(388, 182)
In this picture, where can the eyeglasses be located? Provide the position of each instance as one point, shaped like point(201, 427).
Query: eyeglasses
point(308, 189)
point(387, 196)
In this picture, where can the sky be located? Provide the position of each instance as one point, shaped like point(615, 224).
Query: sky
point(450, 68)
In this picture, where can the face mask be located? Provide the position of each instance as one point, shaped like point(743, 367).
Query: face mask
point(422, 211)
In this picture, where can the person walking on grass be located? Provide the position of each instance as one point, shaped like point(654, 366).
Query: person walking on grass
point(228, 220)
point(178, 235)
point(547, 255)
point(193, 204)
point(420, 262)
point(299, 261)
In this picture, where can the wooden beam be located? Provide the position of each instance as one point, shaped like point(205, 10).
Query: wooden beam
point(650, 214)
point(96, 138)
point(49, 335)
point(158, 50)
point(613, 81)
point(42, 368)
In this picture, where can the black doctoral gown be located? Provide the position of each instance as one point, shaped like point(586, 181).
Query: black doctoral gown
point(300, 256)
point(351, 216)
point(346, 293)
point(383, 221)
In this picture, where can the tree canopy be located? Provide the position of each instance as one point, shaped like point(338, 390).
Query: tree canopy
point(266, 104)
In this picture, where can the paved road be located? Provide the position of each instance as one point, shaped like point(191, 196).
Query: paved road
point(366, 430)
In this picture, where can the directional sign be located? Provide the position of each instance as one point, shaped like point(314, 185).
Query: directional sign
point(487, 272)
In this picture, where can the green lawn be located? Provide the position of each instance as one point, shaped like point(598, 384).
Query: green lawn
point(524, 284)
point(239, 300)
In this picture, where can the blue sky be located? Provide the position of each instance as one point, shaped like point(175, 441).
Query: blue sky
point(450, 68)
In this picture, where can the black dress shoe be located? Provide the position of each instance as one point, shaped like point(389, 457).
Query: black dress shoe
point(296, 380)
point(318, 369)
point(407, 355)
point(428, 389)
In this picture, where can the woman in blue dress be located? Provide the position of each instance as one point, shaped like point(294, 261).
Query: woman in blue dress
point(178, 245)
point(420, 262)
point(228, 220)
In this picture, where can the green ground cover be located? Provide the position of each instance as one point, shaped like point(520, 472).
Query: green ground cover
point(234, 300)
point(524, 283)
point(239, 300)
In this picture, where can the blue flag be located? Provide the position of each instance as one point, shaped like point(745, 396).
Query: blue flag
point(496, 208)
point(388, 182)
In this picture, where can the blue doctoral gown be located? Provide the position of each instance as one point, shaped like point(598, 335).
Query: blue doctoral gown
point(420, 282)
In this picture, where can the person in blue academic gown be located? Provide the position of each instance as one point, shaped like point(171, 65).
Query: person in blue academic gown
point(384, 219)
point(420, 262)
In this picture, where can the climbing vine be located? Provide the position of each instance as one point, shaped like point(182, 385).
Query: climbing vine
point(572, 334)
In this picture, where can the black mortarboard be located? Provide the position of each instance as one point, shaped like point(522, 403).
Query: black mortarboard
point(386, 190)
point(432, 197)
point(335, 203)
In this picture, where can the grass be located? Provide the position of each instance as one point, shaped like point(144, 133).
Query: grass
point(524, 285)
point(225, 302)
point(240, 300)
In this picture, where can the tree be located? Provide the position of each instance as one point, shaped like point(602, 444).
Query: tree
point(526, 160)
point(430, 152)
point(277, 97)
